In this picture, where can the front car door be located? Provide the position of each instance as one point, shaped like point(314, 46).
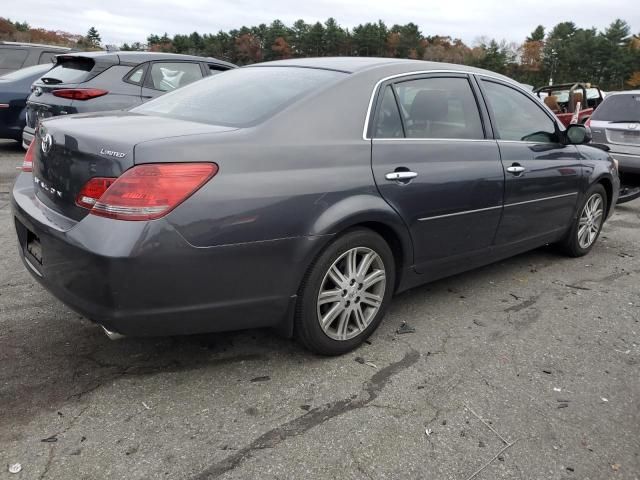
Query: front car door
point(435, 163)
point(543, 175)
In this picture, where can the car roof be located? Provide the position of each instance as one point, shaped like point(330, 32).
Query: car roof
point(140, 57)
point(624, 92)
point(35, 45)
point(392, 65)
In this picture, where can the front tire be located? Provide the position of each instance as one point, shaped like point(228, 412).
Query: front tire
point(587, 226)
point(345, 293)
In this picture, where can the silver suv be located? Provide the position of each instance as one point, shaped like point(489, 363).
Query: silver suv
point(616, 124)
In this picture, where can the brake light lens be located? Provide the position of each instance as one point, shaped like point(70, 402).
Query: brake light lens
point(79, 93)
point(148, 192)
point(92, 191)
point(27, 162)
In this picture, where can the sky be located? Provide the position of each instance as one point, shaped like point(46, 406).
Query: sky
point(121, 21)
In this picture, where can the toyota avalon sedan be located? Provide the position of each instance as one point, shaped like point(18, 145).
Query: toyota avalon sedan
point(300, 195)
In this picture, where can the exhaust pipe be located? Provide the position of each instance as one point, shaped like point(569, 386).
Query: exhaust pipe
point(112, 335)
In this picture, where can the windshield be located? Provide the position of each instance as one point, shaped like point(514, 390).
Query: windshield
point(24, 73)
point(69, 70)
point(240, 97)
point(619, 108)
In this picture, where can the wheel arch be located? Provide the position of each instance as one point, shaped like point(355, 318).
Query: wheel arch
point(608, 188)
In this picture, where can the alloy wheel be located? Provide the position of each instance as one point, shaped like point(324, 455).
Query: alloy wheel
point(351, 293)
point(590, 220)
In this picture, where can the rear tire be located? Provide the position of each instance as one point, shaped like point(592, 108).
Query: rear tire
point(587, 225)
point(345, 293)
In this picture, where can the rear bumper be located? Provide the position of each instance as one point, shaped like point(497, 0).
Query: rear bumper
point(143, 278)
point(627, 163)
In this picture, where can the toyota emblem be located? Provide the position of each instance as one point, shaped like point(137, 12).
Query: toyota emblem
point(47, 143)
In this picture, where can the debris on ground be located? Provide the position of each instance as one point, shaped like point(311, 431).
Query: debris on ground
point(428, 432)
point(360, 360)
point(371, 364)
point(548, 372)
point(556, 389)
point(51, 439)
point(563, 405)
point(479, 323)
point(604, 399)
point(305, 407)
point(15, 468)
point(405, 328)
point(146, 406)
point(264, 378)
point(615, 467)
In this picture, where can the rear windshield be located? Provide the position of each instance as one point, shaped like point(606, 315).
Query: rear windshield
point(25, 73)
point(619, 108)
point(12, 57)
point(240, 97)
point(69, 70)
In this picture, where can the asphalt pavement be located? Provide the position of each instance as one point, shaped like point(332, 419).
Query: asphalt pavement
point(526, 369)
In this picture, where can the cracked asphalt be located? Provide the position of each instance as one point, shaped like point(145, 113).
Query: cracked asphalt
point(526, 369)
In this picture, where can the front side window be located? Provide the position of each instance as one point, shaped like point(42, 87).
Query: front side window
point(167, 76)
point(12, 57)
point(439, 108)
point(516, 116)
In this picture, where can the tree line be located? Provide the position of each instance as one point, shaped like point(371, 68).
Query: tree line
point(564, 53)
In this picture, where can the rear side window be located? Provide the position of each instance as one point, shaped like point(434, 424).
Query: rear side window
point(167, 76)
point(12, 57)
point(136, 76)
point(69, 70)
point(439, 108)
point(388, 123)
point(516, 116)
point(241, 97)
point(24, 73)
point(48, 57)
point(619, 108)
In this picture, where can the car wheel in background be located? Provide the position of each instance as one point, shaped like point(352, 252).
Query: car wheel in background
point(345, 293)
point(588, 224)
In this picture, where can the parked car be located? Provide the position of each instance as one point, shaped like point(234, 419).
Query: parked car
point(17, 55)
point(616, 124)
point(300, 194)
point(100, 81)
point(15, 88)
point(567, 101)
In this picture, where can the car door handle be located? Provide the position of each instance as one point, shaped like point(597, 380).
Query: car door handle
point(516, 169)
point(402, 175)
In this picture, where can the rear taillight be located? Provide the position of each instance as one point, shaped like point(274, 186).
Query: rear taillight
point(27, 163)
point(92, 191)
point(79, 93)
point(147, 192)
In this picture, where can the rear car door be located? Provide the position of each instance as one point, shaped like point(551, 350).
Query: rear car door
point(543, 175)
point(435, 164)
point(12, 59)
point(165, 77)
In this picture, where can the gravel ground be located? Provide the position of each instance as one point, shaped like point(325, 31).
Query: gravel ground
point(533, 362)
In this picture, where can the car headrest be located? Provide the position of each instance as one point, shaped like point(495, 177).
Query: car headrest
point(429, 105)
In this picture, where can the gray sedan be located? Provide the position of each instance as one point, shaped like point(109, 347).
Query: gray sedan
point(300, 195)
point(616, 124)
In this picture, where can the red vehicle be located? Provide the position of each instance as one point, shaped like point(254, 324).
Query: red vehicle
point(568, 102)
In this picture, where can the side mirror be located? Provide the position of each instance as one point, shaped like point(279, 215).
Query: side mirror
point(577, 134)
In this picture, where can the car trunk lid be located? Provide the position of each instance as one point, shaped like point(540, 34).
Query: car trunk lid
point(70, 151)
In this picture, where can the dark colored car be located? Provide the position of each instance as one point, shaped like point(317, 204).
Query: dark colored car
point(616, 124)
point(15, 88)
point(17, 55)
point(101, 81)
point(301, 195)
